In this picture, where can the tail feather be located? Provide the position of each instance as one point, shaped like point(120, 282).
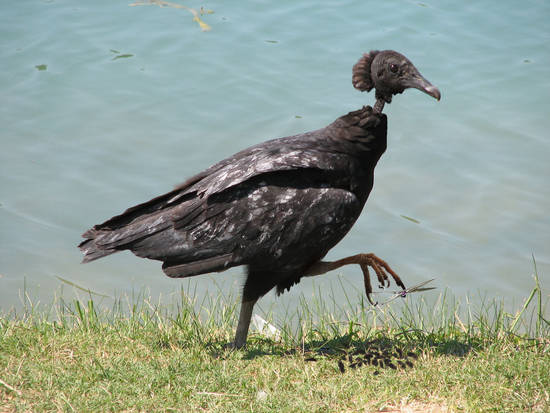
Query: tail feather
point(164, 229)
point(103, 240)
point(92, 251)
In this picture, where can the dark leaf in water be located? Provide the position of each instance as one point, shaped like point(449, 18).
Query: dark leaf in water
point(411, 219)
point(114, 51)
point(298, 117)
point(122, 56)
point(41, 67)
point(272, 41)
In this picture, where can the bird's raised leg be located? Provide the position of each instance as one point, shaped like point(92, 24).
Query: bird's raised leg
point(380, 267)
point(244, 322)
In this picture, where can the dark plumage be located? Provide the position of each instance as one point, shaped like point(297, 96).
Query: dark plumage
point(277, 207)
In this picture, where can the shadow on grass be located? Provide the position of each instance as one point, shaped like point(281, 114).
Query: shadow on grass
point(412, 342)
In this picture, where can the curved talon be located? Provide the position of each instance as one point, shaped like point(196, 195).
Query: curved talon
point(366, 280)
point(380, 267)
point(387, 268)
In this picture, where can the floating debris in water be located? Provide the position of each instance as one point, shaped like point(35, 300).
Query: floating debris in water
point(411, 219)
point(41, 67)
point(205, 11)
point(272, 41)
point(122, 56)
point(161, 3)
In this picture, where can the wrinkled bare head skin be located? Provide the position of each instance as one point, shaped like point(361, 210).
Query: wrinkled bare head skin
point(389, 73)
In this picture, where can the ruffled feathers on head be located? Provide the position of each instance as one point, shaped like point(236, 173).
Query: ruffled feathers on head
point(361, 74)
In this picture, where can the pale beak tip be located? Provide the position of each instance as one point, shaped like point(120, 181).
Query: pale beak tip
point(434, 92)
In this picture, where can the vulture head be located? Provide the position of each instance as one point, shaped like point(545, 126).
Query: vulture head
point(389, 73)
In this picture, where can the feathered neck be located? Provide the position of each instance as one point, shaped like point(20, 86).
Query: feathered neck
point(360, 131)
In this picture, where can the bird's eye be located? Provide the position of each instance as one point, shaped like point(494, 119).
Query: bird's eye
point(393, 68)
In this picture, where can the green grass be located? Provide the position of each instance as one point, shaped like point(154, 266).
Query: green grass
point(139, 356)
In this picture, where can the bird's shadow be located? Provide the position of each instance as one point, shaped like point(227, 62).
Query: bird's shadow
point(344, 344)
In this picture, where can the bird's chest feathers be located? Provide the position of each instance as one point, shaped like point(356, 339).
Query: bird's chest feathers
point(361, 178)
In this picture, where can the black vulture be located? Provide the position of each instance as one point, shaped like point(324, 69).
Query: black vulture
point(277, 207)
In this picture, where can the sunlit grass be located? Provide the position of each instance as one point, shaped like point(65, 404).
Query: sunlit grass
point(140, 355)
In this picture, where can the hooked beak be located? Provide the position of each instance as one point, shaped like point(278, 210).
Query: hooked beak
point(417, 81)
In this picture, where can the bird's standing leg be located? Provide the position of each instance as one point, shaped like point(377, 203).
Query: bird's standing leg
point(244, 322)
point(380, 267)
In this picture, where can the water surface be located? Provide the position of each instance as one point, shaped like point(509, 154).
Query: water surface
point(106, 105)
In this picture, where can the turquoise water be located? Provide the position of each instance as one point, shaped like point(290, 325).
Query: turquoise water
point(106, 105)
